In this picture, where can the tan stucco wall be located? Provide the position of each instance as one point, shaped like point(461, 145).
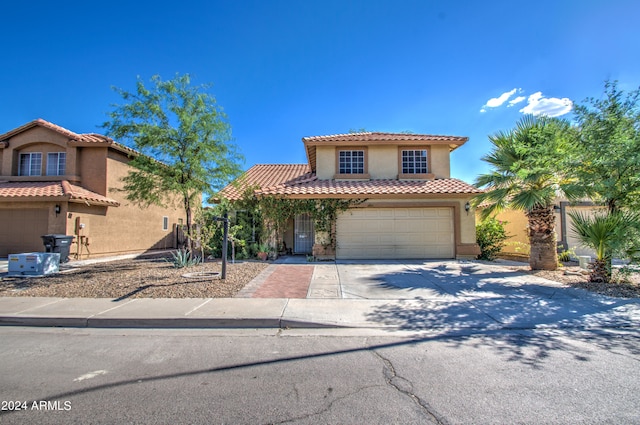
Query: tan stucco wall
point(37, 139)
point(92, 164)
point(111, 230)
point(516, 227)
point(383, 162)
point(325, 162)
point(129, 227)
point(440, 165)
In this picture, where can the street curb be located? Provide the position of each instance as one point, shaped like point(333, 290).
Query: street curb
point(168, 322)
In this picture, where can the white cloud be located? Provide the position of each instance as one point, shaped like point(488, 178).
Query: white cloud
point(516, 100)
point(498, 101)
point(537, 104)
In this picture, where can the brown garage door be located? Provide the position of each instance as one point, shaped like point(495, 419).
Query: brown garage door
point(21, 230)
point(395, 233)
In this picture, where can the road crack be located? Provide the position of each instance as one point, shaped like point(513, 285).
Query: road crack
point(405, 387)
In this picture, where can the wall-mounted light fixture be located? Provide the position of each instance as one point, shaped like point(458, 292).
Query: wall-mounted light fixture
point(467, 207)
point(57, 209)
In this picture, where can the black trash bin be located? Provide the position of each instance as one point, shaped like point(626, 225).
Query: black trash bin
point(58, 243)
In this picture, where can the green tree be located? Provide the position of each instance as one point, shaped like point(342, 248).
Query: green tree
point(606, 162)
point(184, 137)
point(526, 175)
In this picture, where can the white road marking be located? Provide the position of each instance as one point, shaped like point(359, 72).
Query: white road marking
point(90, 375)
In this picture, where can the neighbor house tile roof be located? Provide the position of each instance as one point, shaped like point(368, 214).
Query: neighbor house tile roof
point(295, 180)
point(266, 175)
point(76, 139)
point(59, 190)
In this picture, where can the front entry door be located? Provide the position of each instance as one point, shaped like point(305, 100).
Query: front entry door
point(303, 234)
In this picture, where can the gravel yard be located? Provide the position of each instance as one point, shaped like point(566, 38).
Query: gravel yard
point(576, 277)
point(137, 278)
point(157, 278)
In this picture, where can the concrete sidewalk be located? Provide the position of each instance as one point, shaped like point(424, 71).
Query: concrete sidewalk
point(442, 314)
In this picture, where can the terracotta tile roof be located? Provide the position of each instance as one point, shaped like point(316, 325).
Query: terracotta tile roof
point(60, 190)
point(370, 188)
point(377, 138)
point(266, 175)
point(91, 139)
point(383, 137)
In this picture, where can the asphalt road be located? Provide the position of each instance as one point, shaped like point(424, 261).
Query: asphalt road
point(324, 376)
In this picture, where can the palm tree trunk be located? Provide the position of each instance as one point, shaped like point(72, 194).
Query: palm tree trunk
point(542, 238)
point(600, 271)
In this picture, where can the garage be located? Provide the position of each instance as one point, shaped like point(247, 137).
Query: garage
point(21, 230)
point(395, 233)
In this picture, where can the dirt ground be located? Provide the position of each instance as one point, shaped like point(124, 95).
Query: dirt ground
point(138, 278)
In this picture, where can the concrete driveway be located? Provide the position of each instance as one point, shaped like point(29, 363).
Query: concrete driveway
point(453, 294)
point(441, 279)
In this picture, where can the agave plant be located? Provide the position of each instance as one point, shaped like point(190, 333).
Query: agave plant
point(605, 233)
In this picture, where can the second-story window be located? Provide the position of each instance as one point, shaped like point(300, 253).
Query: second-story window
point(30, 164)
point(351, 162)
point(56, 163)
point(414, 161)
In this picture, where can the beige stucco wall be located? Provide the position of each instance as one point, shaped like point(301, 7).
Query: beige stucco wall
point(516, 224)
point(325, 162)
point(383, 162)
point(440, 165)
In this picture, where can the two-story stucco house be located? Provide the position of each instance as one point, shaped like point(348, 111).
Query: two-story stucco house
point(412, 207)
point(55, 181)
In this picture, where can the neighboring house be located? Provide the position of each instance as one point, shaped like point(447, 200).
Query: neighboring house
point(54, 181)
point(516, 226)
point(412, 207)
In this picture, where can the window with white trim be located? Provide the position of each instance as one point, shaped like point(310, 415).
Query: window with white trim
point(414, 161)
point(165, 223)
point(351, 162)
point(30, 164)
point(56, 163)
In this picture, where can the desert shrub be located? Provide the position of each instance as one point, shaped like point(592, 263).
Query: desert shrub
point(490, 236)
point(183, 258)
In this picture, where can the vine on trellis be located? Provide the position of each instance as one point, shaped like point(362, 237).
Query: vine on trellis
point(323, 212)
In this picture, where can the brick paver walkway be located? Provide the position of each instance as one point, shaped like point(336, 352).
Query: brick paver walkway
point(286, 281)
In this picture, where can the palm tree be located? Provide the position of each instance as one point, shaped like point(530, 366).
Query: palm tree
point(605, 233)
point(526, 175)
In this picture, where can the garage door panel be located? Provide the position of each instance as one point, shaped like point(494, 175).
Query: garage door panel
point(21, 230)
point(396, 233)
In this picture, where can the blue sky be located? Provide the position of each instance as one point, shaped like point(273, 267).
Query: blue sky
point(283, 70)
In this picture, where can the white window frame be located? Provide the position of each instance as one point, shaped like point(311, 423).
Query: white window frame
point(32, 164)
point(57, 160)
point(165, 223)
point(415, 161)
point(351, 162)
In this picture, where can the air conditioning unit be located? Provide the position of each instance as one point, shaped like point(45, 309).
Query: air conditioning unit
point(33, 264)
